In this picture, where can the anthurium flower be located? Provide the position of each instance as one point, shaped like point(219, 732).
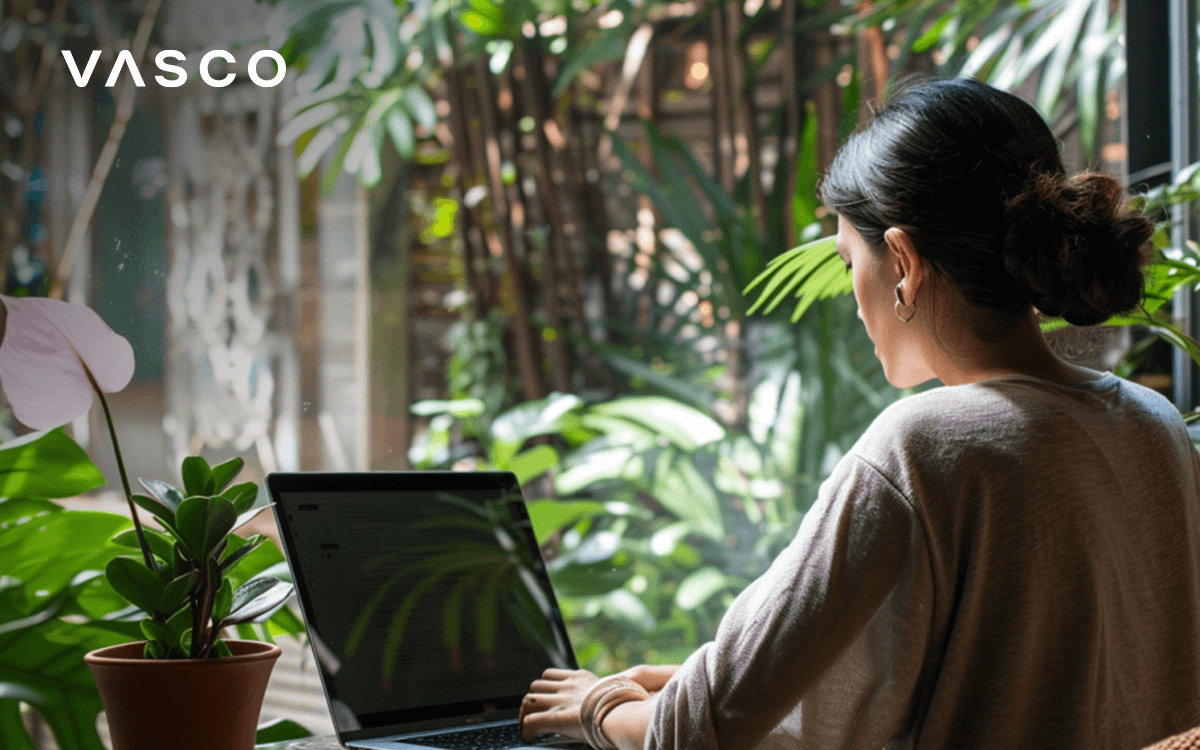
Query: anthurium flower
point(48, 349)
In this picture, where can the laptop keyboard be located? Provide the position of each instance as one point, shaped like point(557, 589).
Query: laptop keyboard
point(483, 738)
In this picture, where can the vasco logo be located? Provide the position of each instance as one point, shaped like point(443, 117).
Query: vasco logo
point(163, 61)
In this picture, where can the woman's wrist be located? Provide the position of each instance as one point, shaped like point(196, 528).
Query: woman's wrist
point(627, 724)
point(601, 699)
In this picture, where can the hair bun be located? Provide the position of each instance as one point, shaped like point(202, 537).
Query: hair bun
point(1075, 249)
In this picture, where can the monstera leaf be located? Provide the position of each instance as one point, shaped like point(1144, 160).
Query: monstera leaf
point(51, 560)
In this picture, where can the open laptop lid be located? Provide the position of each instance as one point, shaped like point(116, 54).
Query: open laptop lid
point(425, 595)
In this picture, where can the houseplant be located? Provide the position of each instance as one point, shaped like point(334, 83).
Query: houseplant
point(184, 686)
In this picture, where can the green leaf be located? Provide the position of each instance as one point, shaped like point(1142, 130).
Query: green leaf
point(241, 495)
point(249, 546)
point(804, 199)
point(683, 491)
point(48, 660)
point(550, 516)
point(257, 598)
point(420, 106)
point(46, 464)
point(48, 551)
point(678, 423)
point(203, 522)
point(160, 511)
point(176, 592)
point(532, 463)
point(160, 545)
point(161, 635)
point(164, 493)
point(244, 518)
point(138, 584)
point(401, 131)
point(280, 730)
point(197, 477)
point(699, 587)
point(224, 472)
point(223, 601)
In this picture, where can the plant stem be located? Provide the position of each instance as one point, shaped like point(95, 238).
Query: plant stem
point(112, 431)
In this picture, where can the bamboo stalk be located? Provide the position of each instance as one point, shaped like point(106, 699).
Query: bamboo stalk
point(527, 359)
point(746, 115)
point(648, 112)
point(790, 138)
point(474, 269)
point(718, 65)
point(592, 210)
point(551, 249)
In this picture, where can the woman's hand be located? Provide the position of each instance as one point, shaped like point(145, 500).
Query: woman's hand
point(552, 704)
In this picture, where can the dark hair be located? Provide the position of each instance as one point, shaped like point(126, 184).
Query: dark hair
point(974, 175)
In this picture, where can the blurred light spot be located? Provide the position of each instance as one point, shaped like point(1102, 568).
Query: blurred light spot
point(611, 19)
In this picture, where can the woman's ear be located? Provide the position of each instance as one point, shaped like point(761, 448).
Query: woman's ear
point(906, 263)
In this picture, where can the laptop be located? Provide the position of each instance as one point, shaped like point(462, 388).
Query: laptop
point(427, 602)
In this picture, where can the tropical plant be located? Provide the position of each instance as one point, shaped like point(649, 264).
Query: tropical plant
point(1073, 48)
point(56, 358)
point(55, 603)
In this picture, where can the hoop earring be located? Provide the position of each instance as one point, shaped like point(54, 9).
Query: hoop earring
point(904, 312)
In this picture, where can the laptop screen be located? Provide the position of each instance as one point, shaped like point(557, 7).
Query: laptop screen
point(425, 594)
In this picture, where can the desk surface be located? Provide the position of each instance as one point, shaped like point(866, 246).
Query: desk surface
point(308, 743)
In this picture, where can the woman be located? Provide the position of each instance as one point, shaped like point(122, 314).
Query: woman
point(1009, 561)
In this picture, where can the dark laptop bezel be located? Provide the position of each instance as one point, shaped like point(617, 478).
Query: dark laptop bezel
point(432, 717)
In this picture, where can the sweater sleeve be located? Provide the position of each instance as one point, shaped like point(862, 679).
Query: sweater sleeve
point(840, 623)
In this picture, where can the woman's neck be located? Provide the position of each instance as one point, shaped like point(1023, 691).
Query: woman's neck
point(1023, 350)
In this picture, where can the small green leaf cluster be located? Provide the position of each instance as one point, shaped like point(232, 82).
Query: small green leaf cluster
point(187, 597)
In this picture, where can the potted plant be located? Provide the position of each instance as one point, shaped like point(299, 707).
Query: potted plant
point(184, 686)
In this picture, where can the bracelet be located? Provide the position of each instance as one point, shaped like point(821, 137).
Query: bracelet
point(603, 697)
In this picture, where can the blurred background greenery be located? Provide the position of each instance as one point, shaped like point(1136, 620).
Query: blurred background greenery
point(518, 235)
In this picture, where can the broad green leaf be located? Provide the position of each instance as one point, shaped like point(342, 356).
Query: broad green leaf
point(401, 131)
point(241, 495)
point(532, 463)
point(163, 492)
point(224, 472)
point(684, 492)
point(250, 544)
point(134, 581)
point(622, 605)
point(203, 522)
point(247, 516)
point(46, 464)
point(159, 544)
point(197, 477)
point(155, 631)
point(699, 587)
point(257, 598)
point(48, 551)
point(48, 660)
point(550, 516)
point(223, 602)
point(160, 511)
point(280, 730)
point(678, 423)
point(177, 591)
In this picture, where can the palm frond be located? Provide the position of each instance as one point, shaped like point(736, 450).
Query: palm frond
point(811, 272)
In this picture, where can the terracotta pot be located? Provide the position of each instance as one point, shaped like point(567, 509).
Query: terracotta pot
point(182, 704)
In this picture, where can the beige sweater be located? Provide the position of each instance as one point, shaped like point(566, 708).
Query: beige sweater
point(1008, 564)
